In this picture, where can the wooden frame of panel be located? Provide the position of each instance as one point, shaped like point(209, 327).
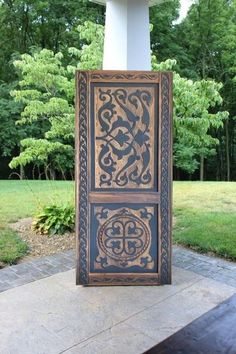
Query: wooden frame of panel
point(85, 195)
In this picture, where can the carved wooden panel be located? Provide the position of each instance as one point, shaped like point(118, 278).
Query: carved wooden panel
point(123, 177)
point(123, 238)
point(124, 135)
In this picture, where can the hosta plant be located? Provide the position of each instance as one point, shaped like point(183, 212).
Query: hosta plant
point(54, 219)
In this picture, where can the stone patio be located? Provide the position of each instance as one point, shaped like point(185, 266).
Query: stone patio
point(211, 267)
point(52, 315)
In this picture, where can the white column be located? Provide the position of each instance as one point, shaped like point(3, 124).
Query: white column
point(127, 35)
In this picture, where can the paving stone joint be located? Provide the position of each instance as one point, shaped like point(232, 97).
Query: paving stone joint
point(23, 273)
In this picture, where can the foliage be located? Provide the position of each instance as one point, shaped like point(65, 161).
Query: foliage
point(207, 49)
point(208, 34)
point(47, 94)
point(20, 199)
point(41, 24)
point(40, 151)
point(204, 45)
point(9, 134)
point(11, 246)
point(46, 90)
point(192, 117)
point(26, 27)
point(54, 219)
point(163, 38)
point(91, 53)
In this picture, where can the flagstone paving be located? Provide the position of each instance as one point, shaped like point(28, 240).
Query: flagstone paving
point(43, 311)
point(54, 316)
point(24, 273)
point(211, 267)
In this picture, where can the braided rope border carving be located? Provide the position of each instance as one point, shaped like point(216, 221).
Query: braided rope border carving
point(125, 280)
point(83, 181)
point(151, 76)
point(165, 179)
point(83, 184)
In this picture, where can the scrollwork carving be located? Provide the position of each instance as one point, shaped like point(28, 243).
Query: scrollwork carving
point(124, 138)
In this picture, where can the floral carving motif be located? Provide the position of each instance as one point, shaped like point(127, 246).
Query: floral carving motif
point(117, 243)
point(123, 137)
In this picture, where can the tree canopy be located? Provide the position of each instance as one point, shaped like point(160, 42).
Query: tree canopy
point(44, 42)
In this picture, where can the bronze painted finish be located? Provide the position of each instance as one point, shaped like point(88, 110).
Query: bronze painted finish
point(123, 177)
point(128, 111)
point(124, 237)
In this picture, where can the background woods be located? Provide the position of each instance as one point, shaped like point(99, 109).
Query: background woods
point(43, 42)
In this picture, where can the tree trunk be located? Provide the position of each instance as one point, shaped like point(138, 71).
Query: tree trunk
point(39, 173)
point(46, 172)
point(22, 172)
point(227, 149)
point(52, 174)
point(222, 168)
point(202, 168)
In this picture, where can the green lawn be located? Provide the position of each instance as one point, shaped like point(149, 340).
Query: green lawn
point(205, 217)
point(19, 199)
point(11, 246)
point(205, 213)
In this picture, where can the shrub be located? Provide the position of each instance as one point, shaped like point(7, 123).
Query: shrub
point(54, 219)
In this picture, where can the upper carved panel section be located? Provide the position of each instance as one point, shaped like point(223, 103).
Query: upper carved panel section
point(114, 76)
point(124, 136)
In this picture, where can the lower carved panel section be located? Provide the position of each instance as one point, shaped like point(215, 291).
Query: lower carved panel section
point(123, 238)
point(124, 279)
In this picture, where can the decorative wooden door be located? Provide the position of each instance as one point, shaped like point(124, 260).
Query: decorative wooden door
point(123, 177)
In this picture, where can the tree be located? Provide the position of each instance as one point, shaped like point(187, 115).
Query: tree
point(192, 118)
point(26, 27)
point(9, 134)
point(47, 94)
point(26, 24)
point(46, 90)
point(207, 38)
point(163, 37)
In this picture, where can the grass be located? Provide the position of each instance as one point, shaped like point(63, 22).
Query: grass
point(19, 199)
point(11, 246)
point(205, 213)
point(205, 217)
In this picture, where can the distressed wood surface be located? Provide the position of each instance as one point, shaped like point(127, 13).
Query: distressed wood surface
point(123, 177)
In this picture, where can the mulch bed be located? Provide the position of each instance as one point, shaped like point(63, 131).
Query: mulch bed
point(42, 245)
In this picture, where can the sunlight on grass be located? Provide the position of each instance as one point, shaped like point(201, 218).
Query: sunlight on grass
point(205, 212)
point(20, 199)
point(11, 246)
point(205, 217)
point(208, 196)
